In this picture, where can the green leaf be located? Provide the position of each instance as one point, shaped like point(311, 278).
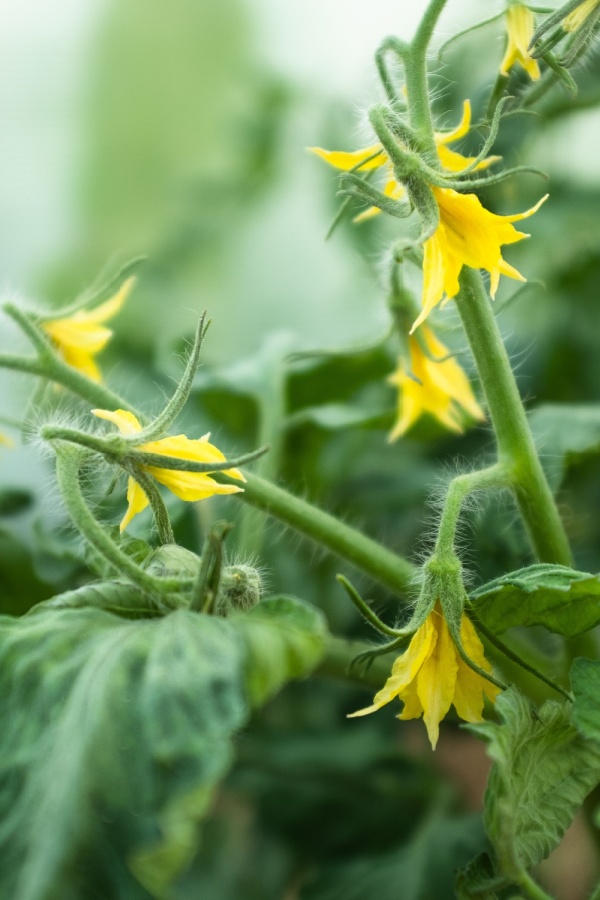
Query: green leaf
point(585, 683)
point(114, 736)
point(285, 639)
point(543, 770)
point(560, 599)
point(564, 434)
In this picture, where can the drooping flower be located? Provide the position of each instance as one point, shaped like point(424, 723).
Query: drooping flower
point(430, 676)
point(467, 235)
point(520, 25)
point(190, 486)
point(442, 388)
point(574, 20)
point(82, 335)
point(451, 160)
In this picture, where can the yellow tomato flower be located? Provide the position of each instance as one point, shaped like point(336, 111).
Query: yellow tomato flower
point(520, 25)
point(576, 18)
point(443, 387)
point(467, 235)
point(450, 160)
point(82, 335)
point(431, 676)
point(190, 486)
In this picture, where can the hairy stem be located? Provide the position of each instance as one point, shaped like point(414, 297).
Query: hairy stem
point(381, 564)
point(516, 450)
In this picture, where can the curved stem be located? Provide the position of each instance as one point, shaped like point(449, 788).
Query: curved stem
point(458, 491)
point(516, 449)
point(68, 464)
point(415, 68)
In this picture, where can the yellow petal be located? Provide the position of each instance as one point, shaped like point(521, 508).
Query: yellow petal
point(191, 486)
point(345, 161)
point(6, 441)
point(83, 362)
point(448, 137)
point(467, 234)
point(575, 19)
point(437, 679)
point(520, 25)
point(137, 502)
point(456, 162)
point(405, 668)
point(413, 708)
point(125, 421)
point(181, 447)
point(78, 335)
point(110, 307)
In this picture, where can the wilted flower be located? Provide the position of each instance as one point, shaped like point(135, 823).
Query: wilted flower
point(430, 676)
point(82, 335)
point(520, 25)
point(450, 160)
point(435, 384)
point(190, 486)
point(467, 235)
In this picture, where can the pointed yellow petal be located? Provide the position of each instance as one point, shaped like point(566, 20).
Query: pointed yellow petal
point(341, 159)
point(78, 335)
point(181, 447)
point(447, 137)
point(574, 20)
point(437, 679)
point(520, 25)
point(137, 502)
point(83, 362)
point(191, 486)
point(125, 421)
point(525, 215)
point(405, 668)
point(413, 708)
point(111, 307)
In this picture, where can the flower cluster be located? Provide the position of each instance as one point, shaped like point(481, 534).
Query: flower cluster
point(189, 486)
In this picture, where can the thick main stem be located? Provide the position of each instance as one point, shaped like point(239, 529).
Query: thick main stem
point(516, 449)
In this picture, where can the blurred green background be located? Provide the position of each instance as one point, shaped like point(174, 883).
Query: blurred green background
point(178, 130)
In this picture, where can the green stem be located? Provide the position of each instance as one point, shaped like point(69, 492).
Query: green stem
point(382, 565)
point(415, 69)
point(530, 888)
point(68, 463)
point(458, 491)
point(516, 449)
